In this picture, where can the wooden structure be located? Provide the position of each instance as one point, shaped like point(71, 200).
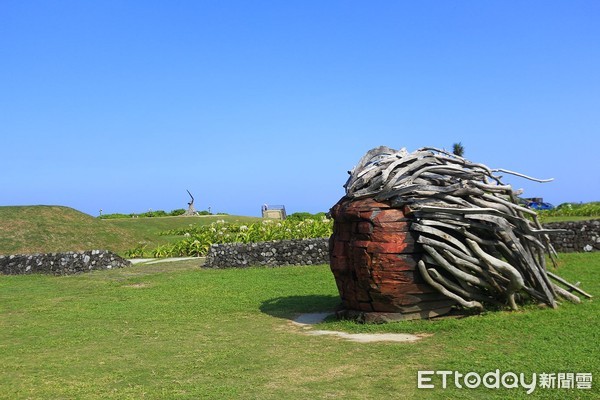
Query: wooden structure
point(374, 256)
point(417, 233)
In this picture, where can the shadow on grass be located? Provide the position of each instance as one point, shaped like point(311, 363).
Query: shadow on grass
point(289, 307)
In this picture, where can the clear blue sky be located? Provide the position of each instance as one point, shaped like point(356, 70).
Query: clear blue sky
point(123, 105)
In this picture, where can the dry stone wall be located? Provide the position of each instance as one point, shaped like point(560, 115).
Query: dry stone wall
point(60, 263)
point(275, 253)
point(581, 236)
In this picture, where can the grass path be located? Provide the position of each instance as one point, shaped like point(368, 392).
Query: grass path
point(173, 330)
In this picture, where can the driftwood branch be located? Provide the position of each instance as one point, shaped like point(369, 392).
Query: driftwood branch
point(506, 171)
point(569, 285)
point(446, 292)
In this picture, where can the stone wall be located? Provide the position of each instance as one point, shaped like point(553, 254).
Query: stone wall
point(582, 236)
point(275, 253)
point(60, 263)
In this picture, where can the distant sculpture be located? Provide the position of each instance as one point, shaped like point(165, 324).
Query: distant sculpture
point(191, 210)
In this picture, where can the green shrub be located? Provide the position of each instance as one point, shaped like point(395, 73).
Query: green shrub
point(138, 252)
point(573, 210)
point(301, 216)
point(152, 214)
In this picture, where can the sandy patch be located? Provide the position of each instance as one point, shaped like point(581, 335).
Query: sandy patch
point(305, 321)
point(162, 260)
point(137, 285)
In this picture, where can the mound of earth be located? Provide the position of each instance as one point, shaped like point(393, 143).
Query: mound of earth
point(47, 229)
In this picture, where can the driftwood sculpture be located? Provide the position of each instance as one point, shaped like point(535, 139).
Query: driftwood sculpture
point(478, 245)
point(191, 211)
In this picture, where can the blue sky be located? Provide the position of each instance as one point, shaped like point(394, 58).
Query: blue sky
point(123, 105)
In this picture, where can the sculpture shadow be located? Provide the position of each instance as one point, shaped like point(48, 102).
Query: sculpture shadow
point(289, 307)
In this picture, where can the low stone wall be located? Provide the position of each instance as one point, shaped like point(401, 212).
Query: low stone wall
point(60, 263)
point(581, 236)
point(275, 253)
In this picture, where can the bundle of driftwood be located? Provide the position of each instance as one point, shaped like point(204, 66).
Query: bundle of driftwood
point(480, 246)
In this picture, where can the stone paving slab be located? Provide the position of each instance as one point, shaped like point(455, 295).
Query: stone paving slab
point(306, 320)
point(161, 260)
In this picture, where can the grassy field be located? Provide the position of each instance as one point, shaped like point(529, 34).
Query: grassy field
point(38, 229)
point(175, 331)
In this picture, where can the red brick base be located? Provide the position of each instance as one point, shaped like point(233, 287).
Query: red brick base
point(373, 256)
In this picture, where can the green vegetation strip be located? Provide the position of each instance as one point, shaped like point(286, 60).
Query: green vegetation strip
point(571, 212)
point(195, 240)
point(173, 330)
point(44, 229)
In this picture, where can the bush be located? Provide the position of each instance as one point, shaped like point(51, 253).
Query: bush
point(138, 252)
point(573, 210)
point(152, 214)
point(301, 216)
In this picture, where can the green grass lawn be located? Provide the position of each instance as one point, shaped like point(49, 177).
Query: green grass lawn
point(173, 330)
point(546, 220)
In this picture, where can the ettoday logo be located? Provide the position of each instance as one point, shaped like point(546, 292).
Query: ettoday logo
point(507, 380)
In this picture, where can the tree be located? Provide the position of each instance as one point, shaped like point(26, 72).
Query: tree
point(458, 149)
